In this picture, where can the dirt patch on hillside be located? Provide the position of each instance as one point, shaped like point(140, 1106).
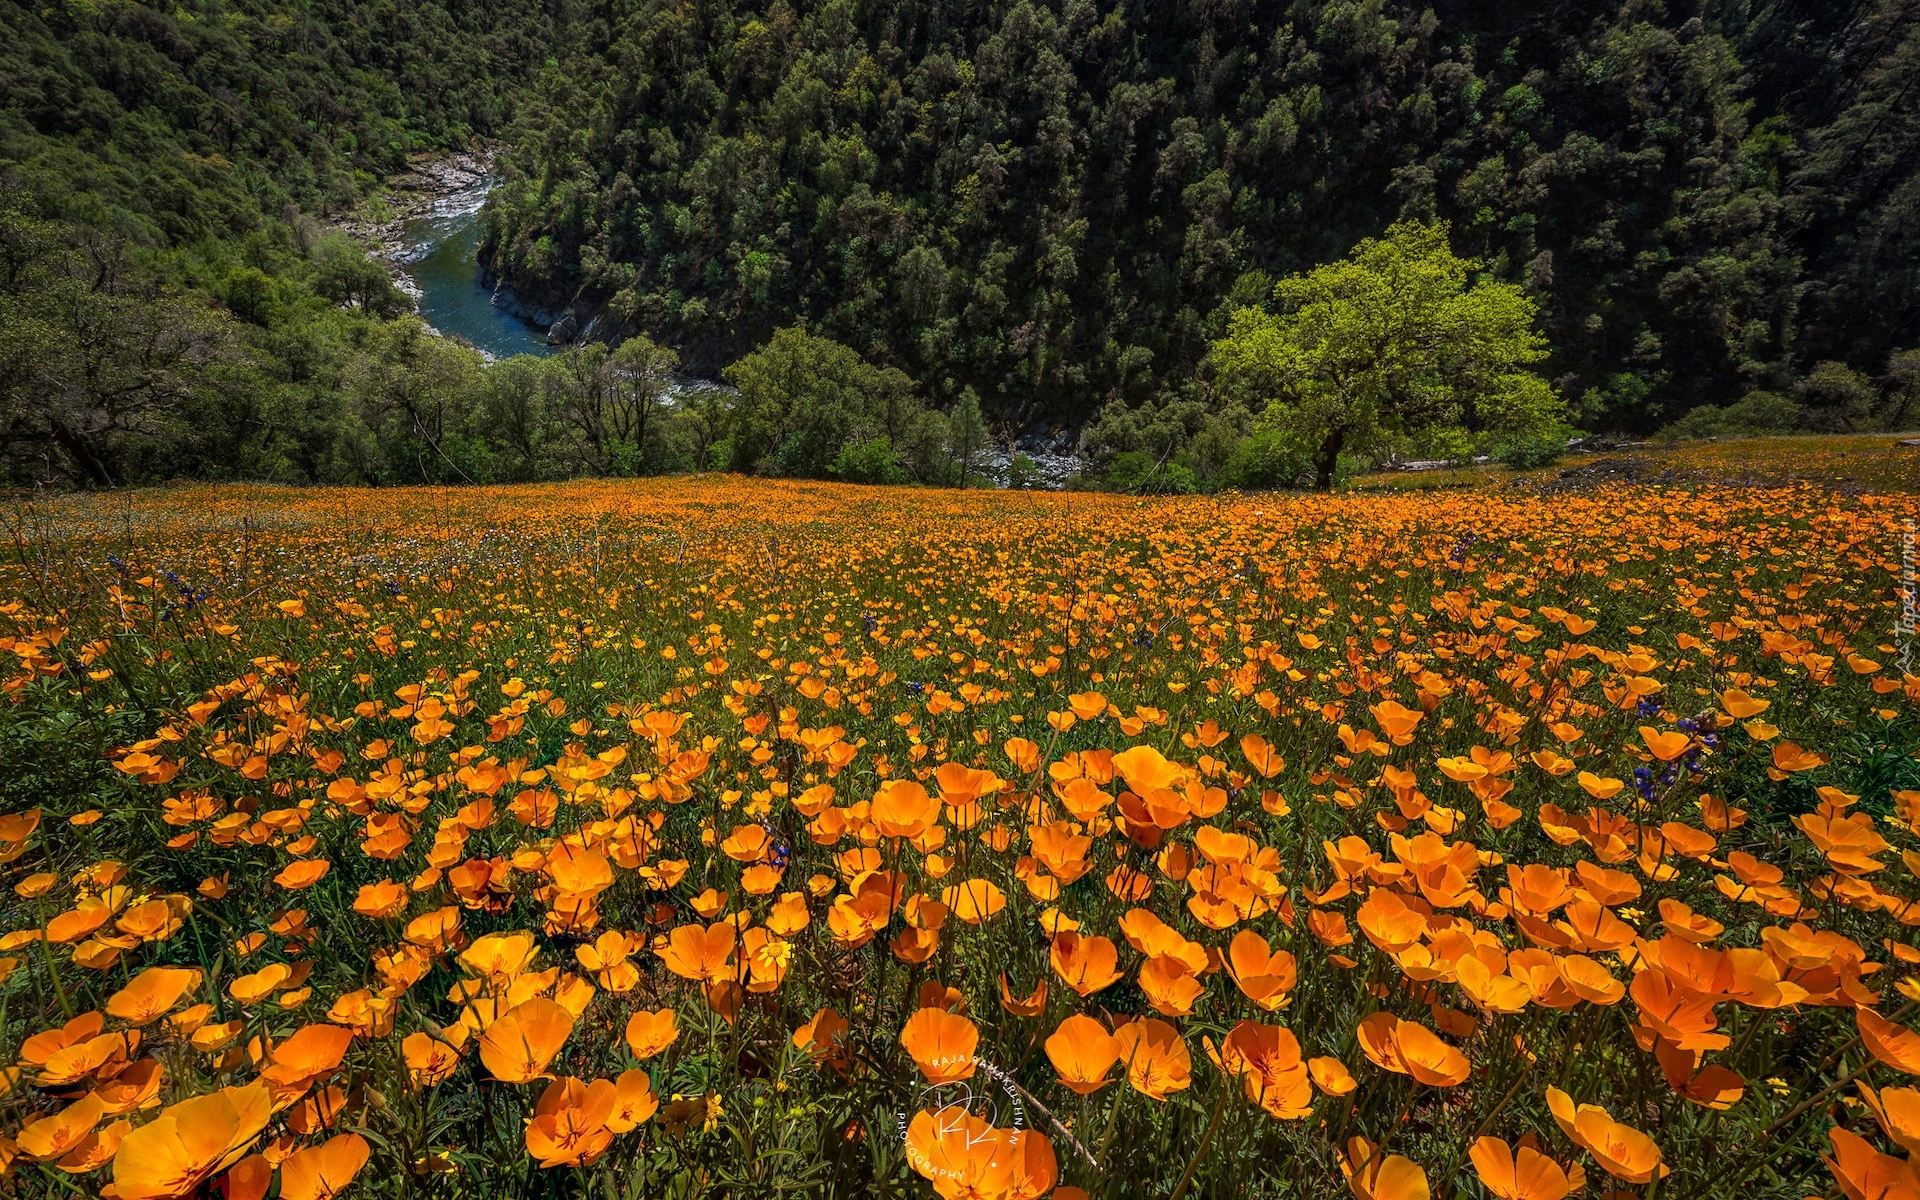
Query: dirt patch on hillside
point(1600, 472)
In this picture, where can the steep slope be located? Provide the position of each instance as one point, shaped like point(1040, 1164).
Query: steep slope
point(1054, 203)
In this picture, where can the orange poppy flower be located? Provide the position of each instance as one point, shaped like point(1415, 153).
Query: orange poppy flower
point(957, 1152)
point(381, 900)
point(1864, 1173)
point(1390, 922)
point(85, 917)
point(518, 1045)
point(607, 957)
point(431, 1060)
point(1894, 1045)
point(747, 844)
point(1152, 937)
point(134, 1088)
point(1087, 705)
point(251, 989)
point(1372, 1175)
point(1157, 1060)
point(1032, 1005)
point(1428, 1059)
point(709, 905)
point(1170, 986)
point(312, 1053)
point(634, 1101)
point(247, 1179)
point(1898, 1111)
point(1715, 1087)
point(500, 956)
point(788, 915)
point(1525, 1175)
point(1552, 762)
point(941, 1043)
point(569, 1124)
point(324, 1171)
point(1789, 758)
point(1621, 1150)
point(58, 1135)
point(189, 1142)
point(1331, 1076)
point(1594, 927)
point(649, 1033)
point(1330, 928)
point(902, 808)
point(1146, 770)
point(1261, 755)
point(824, 1038)
point(1267, 1060)
point(1082, 1052)
point(1377, 1041)
point(700, 952)
point(960, 784)
point(1665, 746)
point(152, 994)
point(156, 920)
point(303, 873)
point(1495, 993)
point(1590, 981)
point(1026, 1164)
point(1084, 963)
point(974, 901)
point(96, 1149)
point(1263, 975)
point(1397, 721)
point(1410, 1048)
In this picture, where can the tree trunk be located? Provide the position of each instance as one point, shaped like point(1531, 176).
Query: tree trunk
point(80, 449)
point(1327, 459)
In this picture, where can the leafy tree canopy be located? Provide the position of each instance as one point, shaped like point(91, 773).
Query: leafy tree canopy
point(1393, 341)
point(803, 398)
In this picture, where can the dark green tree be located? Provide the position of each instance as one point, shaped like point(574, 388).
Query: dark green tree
point(803, 398)
point(967, 435)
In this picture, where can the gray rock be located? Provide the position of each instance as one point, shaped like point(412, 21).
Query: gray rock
point(1053, 470)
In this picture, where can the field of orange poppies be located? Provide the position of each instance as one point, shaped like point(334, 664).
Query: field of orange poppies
point(715, 837)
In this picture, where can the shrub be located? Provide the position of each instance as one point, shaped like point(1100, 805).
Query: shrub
point(1529, 453)
point(871, 461)
point(1023, 472)
point(1137, 473)
point(1264, 460)
point(1756, 412)
point(1838, 399)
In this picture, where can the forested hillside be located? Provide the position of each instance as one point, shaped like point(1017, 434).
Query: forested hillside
point(1058, 203)
point(1012, 215)
point(170, 300)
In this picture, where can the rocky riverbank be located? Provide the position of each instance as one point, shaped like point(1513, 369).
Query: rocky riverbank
point(452, 186)
point(430, 182)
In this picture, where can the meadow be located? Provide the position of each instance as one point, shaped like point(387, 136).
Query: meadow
point(720, 837)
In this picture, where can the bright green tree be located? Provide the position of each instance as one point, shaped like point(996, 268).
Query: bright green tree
point(1396, 341)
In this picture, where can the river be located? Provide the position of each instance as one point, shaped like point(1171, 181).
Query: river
point(439, 255)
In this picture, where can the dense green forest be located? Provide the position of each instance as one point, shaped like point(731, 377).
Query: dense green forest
point(171, 302)
point(1058, 204)
point(1010, 214)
